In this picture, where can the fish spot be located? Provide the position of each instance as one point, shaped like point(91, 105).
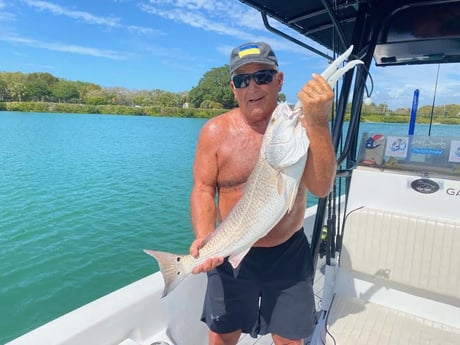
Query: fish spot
point(178, 259)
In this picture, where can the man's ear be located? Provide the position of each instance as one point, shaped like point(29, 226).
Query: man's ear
point(280, 79)
point(232, 86)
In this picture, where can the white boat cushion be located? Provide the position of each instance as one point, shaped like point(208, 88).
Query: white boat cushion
point(418, 252)
point(397, 256)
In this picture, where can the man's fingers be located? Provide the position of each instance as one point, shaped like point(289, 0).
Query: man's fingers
point(208, 265)
point(195, 247)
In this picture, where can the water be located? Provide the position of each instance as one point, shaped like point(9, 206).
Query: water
point(82, 195)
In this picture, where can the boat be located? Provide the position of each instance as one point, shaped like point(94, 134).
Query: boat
point(386, 242)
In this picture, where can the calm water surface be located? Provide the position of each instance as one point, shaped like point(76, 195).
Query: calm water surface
point(82, 195)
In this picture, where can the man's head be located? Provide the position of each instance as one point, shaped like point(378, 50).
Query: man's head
point(252, 52)
point(255, 79)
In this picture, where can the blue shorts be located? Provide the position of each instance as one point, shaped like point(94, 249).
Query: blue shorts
point(271, 292)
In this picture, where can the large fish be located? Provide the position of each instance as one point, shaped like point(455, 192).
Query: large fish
point(268, 195)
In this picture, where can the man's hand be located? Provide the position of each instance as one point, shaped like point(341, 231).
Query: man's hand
point(209, 264)
point(316, 97)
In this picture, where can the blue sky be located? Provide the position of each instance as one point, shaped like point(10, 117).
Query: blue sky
point(170, 44)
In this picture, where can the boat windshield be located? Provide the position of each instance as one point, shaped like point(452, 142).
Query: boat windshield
point(439, 155)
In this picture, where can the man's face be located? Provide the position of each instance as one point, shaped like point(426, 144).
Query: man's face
point(257, 101)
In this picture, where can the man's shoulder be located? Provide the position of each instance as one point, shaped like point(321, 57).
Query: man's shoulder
point(223, 118)
point(219, 124)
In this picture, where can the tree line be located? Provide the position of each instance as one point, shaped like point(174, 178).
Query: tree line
point(212, 93)
point(447, 114)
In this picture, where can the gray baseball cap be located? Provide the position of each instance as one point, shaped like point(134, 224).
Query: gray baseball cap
point(252, 52)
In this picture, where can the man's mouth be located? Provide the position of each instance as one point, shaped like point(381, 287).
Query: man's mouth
point(255, 99)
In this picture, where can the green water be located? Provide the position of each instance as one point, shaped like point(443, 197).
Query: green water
point(81, 196)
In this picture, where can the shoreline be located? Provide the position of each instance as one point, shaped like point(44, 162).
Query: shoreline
point(163, 111)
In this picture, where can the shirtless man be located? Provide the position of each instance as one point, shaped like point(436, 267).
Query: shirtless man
point(278, 269)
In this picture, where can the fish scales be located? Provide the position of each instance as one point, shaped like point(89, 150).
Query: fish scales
point(255, 210)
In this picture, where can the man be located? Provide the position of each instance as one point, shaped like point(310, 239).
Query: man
point(278, 269)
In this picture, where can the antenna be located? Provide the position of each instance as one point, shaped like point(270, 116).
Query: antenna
point(434, 100)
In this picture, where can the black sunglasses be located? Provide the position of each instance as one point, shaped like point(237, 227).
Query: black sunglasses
point(260, 77)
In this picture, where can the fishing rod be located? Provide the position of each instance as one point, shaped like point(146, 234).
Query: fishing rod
point(434, 100)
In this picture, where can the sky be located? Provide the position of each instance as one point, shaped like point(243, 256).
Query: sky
point(170, 44)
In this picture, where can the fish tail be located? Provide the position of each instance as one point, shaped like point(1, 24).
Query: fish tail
point(172, 268)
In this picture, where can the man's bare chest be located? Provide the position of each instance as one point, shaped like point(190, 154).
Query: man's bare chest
point(236, 160)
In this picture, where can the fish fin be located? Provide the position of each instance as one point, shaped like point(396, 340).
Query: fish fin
point(235, 259)
point(291, 191)
point(171, 267)
point(281, 184)
point(293, 197)
point(291, 183)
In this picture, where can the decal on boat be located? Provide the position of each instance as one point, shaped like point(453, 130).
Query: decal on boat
point(397, 147)
point(454, 154)
point(373, 149)
point(453, 191)
point(425, 186)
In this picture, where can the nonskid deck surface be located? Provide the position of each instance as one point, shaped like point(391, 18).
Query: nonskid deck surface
point(382, 325)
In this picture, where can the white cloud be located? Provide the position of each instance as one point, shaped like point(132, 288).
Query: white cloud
point(111, 22)
point(196, 18)
point(397, 84)
point(78, 15)
point(222, 17)
point(5, 15)
point(66, 48)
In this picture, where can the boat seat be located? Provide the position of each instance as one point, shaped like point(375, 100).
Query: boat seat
point(398, 281)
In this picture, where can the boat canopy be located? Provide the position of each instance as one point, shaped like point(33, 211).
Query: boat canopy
point(398, 32)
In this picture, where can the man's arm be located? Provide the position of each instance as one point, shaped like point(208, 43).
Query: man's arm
point(316, 97)
point(202, 199)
